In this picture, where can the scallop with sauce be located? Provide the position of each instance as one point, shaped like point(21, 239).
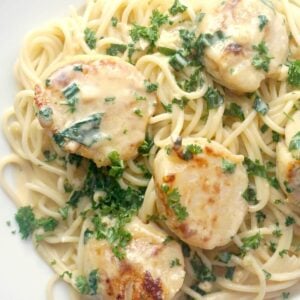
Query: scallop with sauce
point(288, 160)
point(96, 107)
point(153, 269)
point(249, 42)
point(199, 185)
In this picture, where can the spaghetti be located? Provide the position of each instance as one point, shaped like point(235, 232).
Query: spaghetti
point(47, 175)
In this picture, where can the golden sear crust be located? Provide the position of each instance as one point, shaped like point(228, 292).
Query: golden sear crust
point(109, 87)
point(145, 273)
point(212, 198)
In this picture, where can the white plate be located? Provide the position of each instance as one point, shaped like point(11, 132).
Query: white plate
point(23, 274)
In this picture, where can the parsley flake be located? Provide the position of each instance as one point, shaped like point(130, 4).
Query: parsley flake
point(117, 165)
point(234, 110)
point(261, 59)
point(90, 38)
point(260, 106)
point(294, 73)
point(173, 199)
point(263, 21)
point(213, 98)
point(228, 167)
point(177, 8)
point(115, 49)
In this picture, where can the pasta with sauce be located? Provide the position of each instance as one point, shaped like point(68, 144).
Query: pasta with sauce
point(157, 148)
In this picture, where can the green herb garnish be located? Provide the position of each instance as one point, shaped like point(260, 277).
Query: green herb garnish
point(234, 110)
point(177, 8)
point(260, 106)
point(115, 49)
point(261, 59)
point(213, 98)
point(294, 73)
point(263, 21)
point(228, 167)
point(90, 38)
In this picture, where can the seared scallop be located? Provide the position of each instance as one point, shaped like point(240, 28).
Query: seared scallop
point(199, 185)
point(288, 160)
point(248, 42)
point(92, 108)
point(153, 267)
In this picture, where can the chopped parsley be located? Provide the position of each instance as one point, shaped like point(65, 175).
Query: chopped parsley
point(138, 112)
point(250, 195)
point(181, 102)
point(277, 232)
point(88, 286)
point(272, 246)
point(194, 81)
point(64, 212)
point(190, 151)
point(228, 167)
point(260, 106)
point(251, 242)
point(275, 137)
point(294, 73)
point(114, 22)
point(90, 38)
point(175, 263)
point(234, 110)
point(48, 224)
point(146, 146)
point(283, 252)
point(213, 98)
point(109, 99)
point(263, 21)
point(150, 87)
point(167, 107)
point(173, 199)
point(158, 19)
point(294, 146)
point(117, 236)
point(264, 128)
point(289, 221)
point(260, 217)
point(27, 222)
point(118, 203)
point(68, 273)
point(261, 60)
point(254, 168)
point(117, 165)
point(267, 275)
point(177, 8)
point(202, 272)
point(115, 49)
point(151, 33)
